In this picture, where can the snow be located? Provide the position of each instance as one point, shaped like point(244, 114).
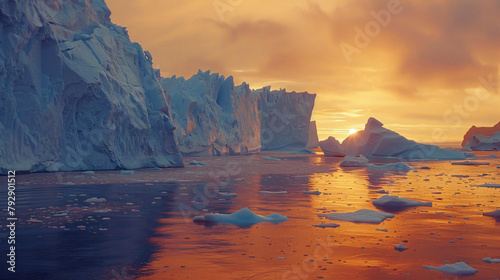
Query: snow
point(490, 260)
point(376, 141)
point(242, 217)
point(332, 147)
point(77, 94)
point(470, 163)
point(359, 161)
point(487, 185)
point(457, 269)
point(360, 216)
point(391, 201)
point(398, 166)
point(400, 247)
point(327, 225)
point(495, 214)
point(95, 200)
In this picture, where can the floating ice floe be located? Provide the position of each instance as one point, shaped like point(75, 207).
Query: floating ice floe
point(382, 229)
point(360, 216)
point(470, 163)
point(490, 260)
point(400, 247)
point(227, 195)
point(359, 161)
point(312, 192)
point(392, 201)
point(242, 217)
point(398, 166)
point(127, 172)
point(195, 162)
point(88, 172)
point(495, 214)
point(487, 185)
point(273, 192)
point(457, 269)
point(382, 191)
point(271, 158)
point(327, 225)
point(375, 141)
point(493, 156)
point(332, 147)
point(95, 200)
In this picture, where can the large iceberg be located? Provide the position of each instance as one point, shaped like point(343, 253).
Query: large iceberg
point(313, 141)
point(376, 141)
point(332, 147)
point(480, 142)
point(212, 116)
point(486, 131)
point(76, 93)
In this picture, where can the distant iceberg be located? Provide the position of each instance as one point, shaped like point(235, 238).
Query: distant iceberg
point(332, 147)
point(486, 131)
point(375, 141)
point(478, 142)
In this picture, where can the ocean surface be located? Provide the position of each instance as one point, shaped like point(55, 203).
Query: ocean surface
point(105, 225)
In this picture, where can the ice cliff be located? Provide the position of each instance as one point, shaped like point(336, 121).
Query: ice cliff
point(215, 117)
point(76, 93)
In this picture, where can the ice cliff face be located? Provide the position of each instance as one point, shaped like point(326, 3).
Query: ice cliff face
point(285, 118)
point(212, 116)
point(76, 93)
point(215, 117)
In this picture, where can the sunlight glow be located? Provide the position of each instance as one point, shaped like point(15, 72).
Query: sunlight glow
point(352, 131)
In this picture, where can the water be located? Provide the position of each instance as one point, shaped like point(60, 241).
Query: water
point(144, 229)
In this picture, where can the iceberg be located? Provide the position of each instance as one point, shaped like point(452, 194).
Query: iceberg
point(375, 141)
point(360, 216)
point(486, 131)
point(312, 141)
point(479, 142)
point(332, 147)
point(490, 260)
point(359, 161)
point(494, 214)
point(457, 269)
point(76, 93)
point(400, 247)
point(396, 202)
point(243, 217)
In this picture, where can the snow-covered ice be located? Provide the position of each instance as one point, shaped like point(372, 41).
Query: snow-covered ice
point(360, 216)
point(332, 147)
point(242, 217)
point(390, 201)
point(457, 269)
point(376, 141)
point(358, 161)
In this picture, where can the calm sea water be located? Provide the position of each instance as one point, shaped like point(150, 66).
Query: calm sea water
point(144, 228)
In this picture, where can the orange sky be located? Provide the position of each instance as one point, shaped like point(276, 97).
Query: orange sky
point(418, 69)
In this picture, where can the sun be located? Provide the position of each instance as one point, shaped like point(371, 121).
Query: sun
point(352, 131)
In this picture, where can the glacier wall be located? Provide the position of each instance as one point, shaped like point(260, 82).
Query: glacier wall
point(76, 93)
point(213, 116)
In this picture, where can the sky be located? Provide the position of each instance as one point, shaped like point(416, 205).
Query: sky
point(426, 69)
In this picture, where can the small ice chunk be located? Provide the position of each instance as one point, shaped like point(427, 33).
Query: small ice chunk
point(382, 229)
point(312, 192)
point(490, 260)
point(393, 201)
point(493, 156)
point(487, 185)
point(400, 247)
point(33, 221)
point(425, 167)
point(195, 162)
point(470, 163)
point(327, 225)
point(227, 195)
point(271, 192)
point(271, 158)
point(127, 172)
point(457, 269)
point(398, 166)
point(88, 172)
point(242, 217)
point(382, 191)
point(95, 200)
point(349, 161)
point(361, 216)
point(495, 214)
